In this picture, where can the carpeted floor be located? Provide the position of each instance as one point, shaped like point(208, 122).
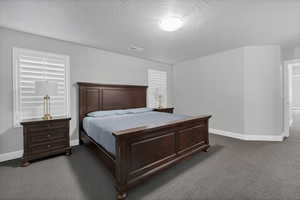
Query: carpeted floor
point(232, 169)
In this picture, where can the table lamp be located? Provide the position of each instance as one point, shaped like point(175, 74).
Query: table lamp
point(158, 97)
point(46, 89)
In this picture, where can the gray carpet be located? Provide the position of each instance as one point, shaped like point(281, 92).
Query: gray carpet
point(232, 169)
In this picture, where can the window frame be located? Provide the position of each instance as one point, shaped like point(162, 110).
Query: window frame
point(15, 79)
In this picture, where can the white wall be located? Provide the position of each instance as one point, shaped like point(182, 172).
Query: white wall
point(290, 53)
point(87, 64)
point(262, 90)
point(295, 99)
point(296, 86)
point(296, 94)
point(297, 52)
point(212, 85)
point(241, 88)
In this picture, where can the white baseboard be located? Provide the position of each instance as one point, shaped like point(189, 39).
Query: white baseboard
point(11, 155)
point(74, 142)
point(247, 136)
point(226, 133)
point(19, 154)
point(286, 133)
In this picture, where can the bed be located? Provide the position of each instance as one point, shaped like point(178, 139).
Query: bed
point(126, 142)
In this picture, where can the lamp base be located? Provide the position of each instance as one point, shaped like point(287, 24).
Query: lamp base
point(47, 117)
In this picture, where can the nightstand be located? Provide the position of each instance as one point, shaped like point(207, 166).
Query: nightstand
point(166, 110)
point(43, 138)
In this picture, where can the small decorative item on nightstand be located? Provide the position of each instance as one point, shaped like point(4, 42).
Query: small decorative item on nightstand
point(44, 138)
point(46, 89)
point(166, 110)
point(158, 97)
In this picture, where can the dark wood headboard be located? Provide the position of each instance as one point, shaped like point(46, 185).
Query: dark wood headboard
point(94, 97)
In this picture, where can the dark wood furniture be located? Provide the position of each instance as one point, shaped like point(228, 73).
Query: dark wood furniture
point(135, 159)
point(166, 110)
point(44, 138)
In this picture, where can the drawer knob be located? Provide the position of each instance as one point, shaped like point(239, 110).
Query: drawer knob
point(49, 135)
point(49, 145)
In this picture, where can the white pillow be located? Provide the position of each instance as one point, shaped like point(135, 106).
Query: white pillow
point(107, 113)
point(139, 110)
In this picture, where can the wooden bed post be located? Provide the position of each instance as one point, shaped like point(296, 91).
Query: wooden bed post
point(81, 112)
point(121, 170)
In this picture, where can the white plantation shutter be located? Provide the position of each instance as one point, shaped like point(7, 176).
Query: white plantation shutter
point(31, 66)
point(157, 81)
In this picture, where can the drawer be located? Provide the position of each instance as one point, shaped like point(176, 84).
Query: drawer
point(58, 124)
point(48, 146)
point(40, 137)
point(48, 136)
point(59, 144)
point(46, 125)
point(56, 134)
point(40, 148)
point(37, 128)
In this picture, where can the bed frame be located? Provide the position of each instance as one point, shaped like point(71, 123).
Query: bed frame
point(142, 151)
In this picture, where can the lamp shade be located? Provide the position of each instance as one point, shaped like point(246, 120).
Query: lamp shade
point(43, 88)
point(158, 91)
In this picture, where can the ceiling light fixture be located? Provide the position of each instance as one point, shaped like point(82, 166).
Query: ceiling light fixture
point(171, 23)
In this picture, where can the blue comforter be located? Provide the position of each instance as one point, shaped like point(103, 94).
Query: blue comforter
point(101, 128)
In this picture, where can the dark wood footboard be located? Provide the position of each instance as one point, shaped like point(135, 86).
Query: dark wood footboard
point(144, 151)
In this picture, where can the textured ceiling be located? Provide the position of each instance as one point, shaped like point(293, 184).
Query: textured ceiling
point(210, 25)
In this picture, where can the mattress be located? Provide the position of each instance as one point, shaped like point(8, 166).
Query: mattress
point(101, 128)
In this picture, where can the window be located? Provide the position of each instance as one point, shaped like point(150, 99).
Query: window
point(30, 66)
point(157, 88)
